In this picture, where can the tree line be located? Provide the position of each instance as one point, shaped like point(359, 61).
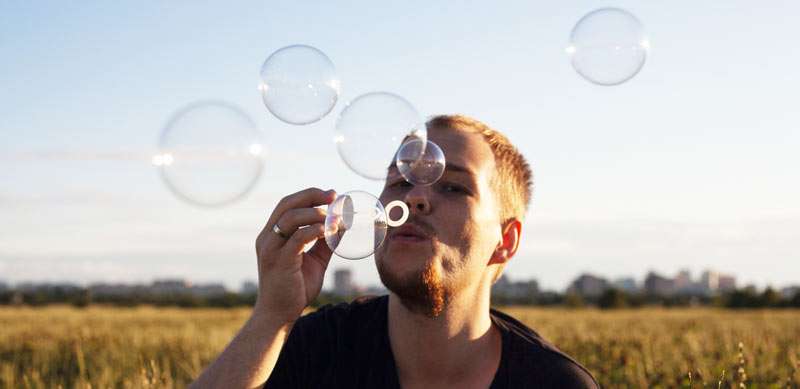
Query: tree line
point(609, 299)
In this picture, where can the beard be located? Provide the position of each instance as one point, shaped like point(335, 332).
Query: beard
point(422, 291)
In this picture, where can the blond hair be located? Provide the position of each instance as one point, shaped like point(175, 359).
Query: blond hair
point(513, 178)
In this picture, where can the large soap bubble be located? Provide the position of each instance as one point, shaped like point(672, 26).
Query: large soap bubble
point(357, 222)
point(371, 128)
point(608, 46)
point(210, 153)
point(299, 84)
point(420, 163)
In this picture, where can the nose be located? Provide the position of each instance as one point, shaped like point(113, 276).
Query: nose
point(417, 200)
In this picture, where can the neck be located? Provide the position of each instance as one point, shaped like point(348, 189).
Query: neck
point(460, 344)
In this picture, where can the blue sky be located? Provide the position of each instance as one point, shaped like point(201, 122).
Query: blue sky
point(690, 164)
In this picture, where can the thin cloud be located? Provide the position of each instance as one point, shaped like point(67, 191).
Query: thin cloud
point(78, 155)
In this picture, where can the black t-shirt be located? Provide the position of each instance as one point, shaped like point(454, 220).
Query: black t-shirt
point(347, 346)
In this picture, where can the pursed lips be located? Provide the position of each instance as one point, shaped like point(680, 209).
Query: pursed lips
point(409, 233)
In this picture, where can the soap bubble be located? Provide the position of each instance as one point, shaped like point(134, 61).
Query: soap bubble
point(371, 127)
point(419, 162)
point(356, 223)
point(299, 84)
point(211, 153)
point(608, 46)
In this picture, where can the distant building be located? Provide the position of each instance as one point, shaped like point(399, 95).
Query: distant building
point(686, 286)
point(116, 290)
point(207, 290)
point(709, 281)
point(30, 287)
point(588, 285)
point(726, 283)
point(170, 286)
point(657, 285)
point(626, 284)
point(683, 281)
point(25, 287)
point(519, 290)
point(249, 287)
point(790, 291)
point(713, 282)
point(343, 282)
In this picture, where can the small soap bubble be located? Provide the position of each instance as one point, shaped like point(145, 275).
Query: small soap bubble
point(420, 163)
point(370, 128)
point(608, 46)
point(299, 84)
point(210, 153)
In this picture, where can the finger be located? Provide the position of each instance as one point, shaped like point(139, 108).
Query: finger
point(267, 239)
point(306, 198)
point(304, 236)
point(321, 251)
point(314, 265)
point(296, 218)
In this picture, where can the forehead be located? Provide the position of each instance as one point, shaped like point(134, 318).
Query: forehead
point(464, 148)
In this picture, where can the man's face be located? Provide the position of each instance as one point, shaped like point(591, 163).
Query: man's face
point(452, 230)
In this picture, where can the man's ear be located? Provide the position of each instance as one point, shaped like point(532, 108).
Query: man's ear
point(509, 242)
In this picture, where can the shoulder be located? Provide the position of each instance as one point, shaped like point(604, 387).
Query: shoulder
point(337, 316)
point(360, 305)
point(530, 358)
point(318, 337)
point(331, 346)
point(570, 374)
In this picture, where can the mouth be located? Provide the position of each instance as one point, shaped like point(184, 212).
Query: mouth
point(409, 233)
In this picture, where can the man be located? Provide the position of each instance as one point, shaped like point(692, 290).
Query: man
point(435, 329)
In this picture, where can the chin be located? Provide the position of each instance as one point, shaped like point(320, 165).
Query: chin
point(418, 284)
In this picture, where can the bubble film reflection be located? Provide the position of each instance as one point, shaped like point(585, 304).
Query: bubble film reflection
point(299, 84)
point(608, 46)
point(370, 128)
point(211, 154)
point(355, 225)
point(420, 163)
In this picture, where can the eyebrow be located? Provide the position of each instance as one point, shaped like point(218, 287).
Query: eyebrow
point(449, 167)
point(458, 169)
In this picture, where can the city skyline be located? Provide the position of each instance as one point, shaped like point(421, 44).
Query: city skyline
point(344, 283)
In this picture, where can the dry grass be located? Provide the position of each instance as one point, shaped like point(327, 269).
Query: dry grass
point(145, 347)
point(677, 347)
point(110, 347)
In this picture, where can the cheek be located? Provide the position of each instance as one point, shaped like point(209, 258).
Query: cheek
point(463, 225)
point(460, 234)
point(480, 233)
point(467, 220)
point(384, 197)
point(453, 221)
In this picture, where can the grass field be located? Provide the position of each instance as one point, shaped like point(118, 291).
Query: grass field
point(144, 347)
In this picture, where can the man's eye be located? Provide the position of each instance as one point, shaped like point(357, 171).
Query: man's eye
point(400, 184)
point(452, 188)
